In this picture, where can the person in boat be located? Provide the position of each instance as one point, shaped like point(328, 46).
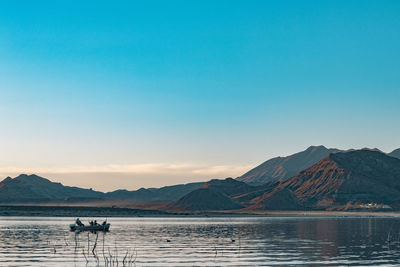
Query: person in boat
point(78, 222)
point(104, 223)
point(95, 223)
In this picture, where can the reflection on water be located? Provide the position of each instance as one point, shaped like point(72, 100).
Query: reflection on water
point(227, 241)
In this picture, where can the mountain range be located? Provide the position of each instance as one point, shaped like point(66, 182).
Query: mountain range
point(315, 179)
point(35, 189)
point(283, 168)
point(32, 188)
point(343, 179)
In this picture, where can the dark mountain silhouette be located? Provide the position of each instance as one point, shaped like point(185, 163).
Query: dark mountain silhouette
point(163, 194)
point(395, 153)
point(282, 199)
point(229, 186)
point(214, 195)
point(35, 189)
point(340, 179)
point(32, 188)
point(139, 195)
point(205, 199)
point(282, 168)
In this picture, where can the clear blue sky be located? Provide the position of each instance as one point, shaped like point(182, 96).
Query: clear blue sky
point(191, 89)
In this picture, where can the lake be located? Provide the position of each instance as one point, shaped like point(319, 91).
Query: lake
point(220, 241)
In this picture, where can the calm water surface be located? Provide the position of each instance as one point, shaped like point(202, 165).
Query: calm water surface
point(255, 241)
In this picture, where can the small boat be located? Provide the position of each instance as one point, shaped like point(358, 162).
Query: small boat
point(78, 226)
point(104, 228)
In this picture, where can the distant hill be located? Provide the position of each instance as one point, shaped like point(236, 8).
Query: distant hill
point(345, 178)
point(229, 186)
point(395, 153)
point(282, 168)
point(281, 199)
point(154, 195)
point(214, 195)
point(33, 189)
point(205, 199)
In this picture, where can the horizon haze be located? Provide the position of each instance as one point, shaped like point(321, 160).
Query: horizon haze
point(178, 174)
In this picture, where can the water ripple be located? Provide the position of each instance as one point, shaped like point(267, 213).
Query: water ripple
point(227, 241)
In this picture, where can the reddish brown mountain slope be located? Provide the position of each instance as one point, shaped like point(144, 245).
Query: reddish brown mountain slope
point(283, 168)
point(361, 176)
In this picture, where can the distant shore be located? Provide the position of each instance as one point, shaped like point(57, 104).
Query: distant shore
point(330, 213)
point(76, 211)
point(84, 211)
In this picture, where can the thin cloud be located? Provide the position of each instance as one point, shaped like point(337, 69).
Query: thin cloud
point(181, 169)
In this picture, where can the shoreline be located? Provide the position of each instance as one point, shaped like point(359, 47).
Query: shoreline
point(338, 214)
point(85, 211)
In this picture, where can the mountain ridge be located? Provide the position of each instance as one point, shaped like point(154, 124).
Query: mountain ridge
point(344, 178)
point(340, 180)
point(35, 189)
point(282, 168)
